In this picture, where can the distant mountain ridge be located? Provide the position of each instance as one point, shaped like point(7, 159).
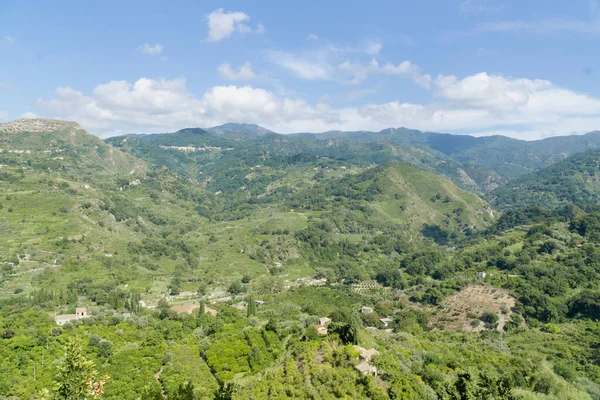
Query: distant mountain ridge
point(507, 157)
point(233, 128)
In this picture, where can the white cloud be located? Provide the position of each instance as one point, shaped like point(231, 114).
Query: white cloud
point(4, 116)
point(28, 115)
point(309, 65)
point(372, 48)
point(359, 71)
point(7, 39)
point(157, 105)
point(331, 62)
point(155, 50)
point(312, 36)
point(222, 25)
point(479, 104)
point(408, 69)
point(244, 73)
point(488, 91)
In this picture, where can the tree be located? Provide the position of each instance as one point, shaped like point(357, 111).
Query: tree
point(175, 285)
point(251, 306)
point(225, 391)
point(491, 319)
point(271, 326)
point(77, 377)
point(163, 307)
point(311, 333)
point(236, 287)
point(152, 392)
point(185, 392)
point(105, 348)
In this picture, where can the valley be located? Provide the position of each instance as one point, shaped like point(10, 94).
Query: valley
point(235, 262)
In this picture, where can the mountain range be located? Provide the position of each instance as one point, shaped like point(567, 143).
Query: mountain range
point(295, 255)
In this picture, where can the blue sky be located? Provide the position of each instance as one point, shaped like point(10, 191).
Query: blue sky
point(527, 69)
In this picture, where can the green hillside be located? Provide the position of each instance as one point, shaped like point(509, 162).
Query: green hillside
point(488, 161)
point(212, 159)
point(269, 234)
point(575, 180)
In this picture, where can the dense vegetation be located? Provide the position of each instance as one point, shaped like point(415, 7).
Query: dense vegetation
point(205, 271)
point(574, 180)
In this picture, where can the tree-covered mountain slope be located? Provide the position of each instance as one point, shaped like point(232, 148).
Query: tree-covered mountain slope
point(489, 161)
point(95, 209)
point(237, 267)
point(233, 129)
point(211, 159)
point(575, 180)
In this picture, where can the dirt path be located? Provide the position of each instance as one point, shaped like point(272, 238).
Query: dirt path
point(157, 377)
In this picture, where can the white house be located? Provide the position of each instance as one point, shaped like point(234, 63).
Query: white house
point(80, 313)
point(386, 321)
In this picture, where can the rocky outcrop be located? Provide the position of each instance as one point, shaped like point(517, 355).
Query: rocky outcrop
point(38, 125)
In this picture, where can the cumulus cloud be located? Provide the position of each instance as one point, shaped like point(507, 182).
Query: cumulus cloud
point(479, 104)
point(155, 50)
point(408, 69)
point(4, 116)
point(312, 36)
point(244, 73)
point(157, 105)
point(222, 25)
point(28, 115)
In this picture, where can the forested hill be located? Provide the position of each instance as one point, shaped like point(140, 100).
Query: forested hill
point(574, 180)
point(233, 266)
point(197, 154)
point(497, 158)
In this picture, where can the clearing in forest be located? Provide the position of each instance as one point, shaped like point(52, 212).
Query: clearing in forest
point(460, 310)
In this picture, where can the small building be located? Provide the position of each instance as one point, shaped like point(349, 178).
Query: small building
point(80, 313)
point(366, 369)
point(277, 264)
point(324, 321)
point(366, 355)
point(481, 275)
point(366, 310)
point(259, 302)
point(321, 330)
point(386, 321)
